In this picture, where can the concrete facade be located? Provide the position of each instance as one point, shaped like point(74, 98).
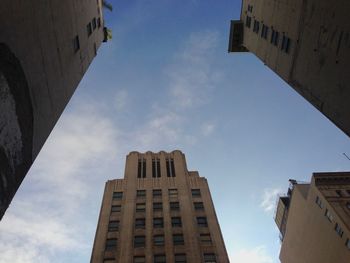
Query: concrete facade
point(45, 49)
point(307, 43)
point(314, 220)
point(159, 212)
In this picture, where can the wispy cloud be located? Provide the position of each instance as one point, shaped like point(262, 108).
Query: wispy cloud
point(60, 182)
point(253, 255)
point(269, 198)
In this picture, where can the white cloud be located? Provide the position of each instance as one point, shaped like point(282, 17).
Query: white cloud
point(254, 255)
point(121, 99)
point(269, 199)
point(59, 185)
point(207, 128)
point(191, 75)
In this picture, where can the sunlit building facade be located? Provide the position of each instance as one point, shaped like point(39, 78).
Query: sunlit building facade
point(307, 43)
point(314, 220)
point(160, 212)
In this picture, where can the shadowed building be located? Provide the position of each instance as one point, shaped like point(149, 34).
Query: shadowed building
point(45, 49)
point(159, 212)
point(314, 220)
point(307, 43)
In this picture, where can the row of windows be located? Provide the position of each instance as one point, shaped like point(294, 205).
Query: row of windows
point(173, 193)
point(156, 171)
point(275, 35)
point(90, 27)
point(340, 193)
point(161, 258)
point(330, 218)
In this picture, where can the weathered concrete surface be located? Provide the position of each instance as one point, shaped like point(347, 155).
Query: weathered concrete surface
point(40, 67)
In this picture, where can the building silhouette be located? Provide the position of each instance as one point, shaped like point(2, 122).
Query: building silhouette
point(45, 49)
point(159, 212)
point(307, 43)
point(314, 220)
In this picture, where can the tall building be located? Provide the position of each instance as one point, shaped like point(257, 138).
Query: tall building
point(45, 49)
point(307, 43)
point(314, 220)
point(160, 212)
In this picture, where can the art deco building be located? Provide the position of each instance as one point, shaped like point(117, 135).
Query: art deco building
point(314, 220)
point(307, 43)
point(45, 49)
point(159, 212)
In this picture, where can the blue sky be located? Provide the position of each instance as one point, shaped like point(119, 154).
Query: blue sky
point(166, 82)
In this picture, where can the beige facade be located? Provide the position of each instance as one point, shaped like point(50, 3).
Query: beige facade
point(314, 220)
point(159, 212)
point(45, 49)
point(307, 43)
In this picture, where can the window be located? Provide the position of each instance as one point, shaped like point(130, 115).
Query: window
point(319, 202)
point(339, 193)
point(250, 8)
point(111, 244)
point(202, 221)
point(156, 168)
point(248, 21)
point(108, 260)
point(180, 258)
point(347, 243)
point(209, 258)
point(89, 29)
point(174, 206)
point(178, 239)
point(117, 195)
point(339, 230)
point(139, 241)
point(141, 207)
point(141, 168)
point(76, 44)
point(205, 239)
point(157, 206)
point(99, 22)
point(329, 215)
point(348, 205)
point(94, 24)
point(159, 259)
point(170, 167)
point(140, 223)
point(139, 259)
point(113, 226)
point(196, 193)
point(172, 193)
point(158, 222)
point(198, 206)
point(176, 222)
point(264, 31)
point(256, 26)
point(141, 193)
point(274, 37)
point(116, 208)
point(158, 240)
point(285, 44)
point(157, 193)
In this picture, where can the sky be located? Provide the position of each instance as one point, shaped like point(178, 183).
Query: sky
point(164, 82)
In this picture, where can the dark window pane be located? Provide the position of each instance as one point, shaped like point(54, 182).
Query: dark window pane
point(89, 29)
point(172, 193)
point(176, 222)
point(116, 208)
point(139, 167)
point(158, 222)
point(153, 168)
point(158, 240)
point(172, 168)
point(111, 244)
point(158, 168)
point(141, 193)
point(139, 259)
point(196, 192)
point(202, 221)
point(76, 44)
point(157, 193)
point(144, 169)
point(205, 239)
point(174, 206)
point(159, 259)
point(117, 195)
point(94, 24)
point(113, 226)
point(209, 257)
point(178, 239)
point(157, 206)
point(141, 207)
point(180, 258)
point(139, 241)
point(198, 206)
point(140, 223)
point(167, 167)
